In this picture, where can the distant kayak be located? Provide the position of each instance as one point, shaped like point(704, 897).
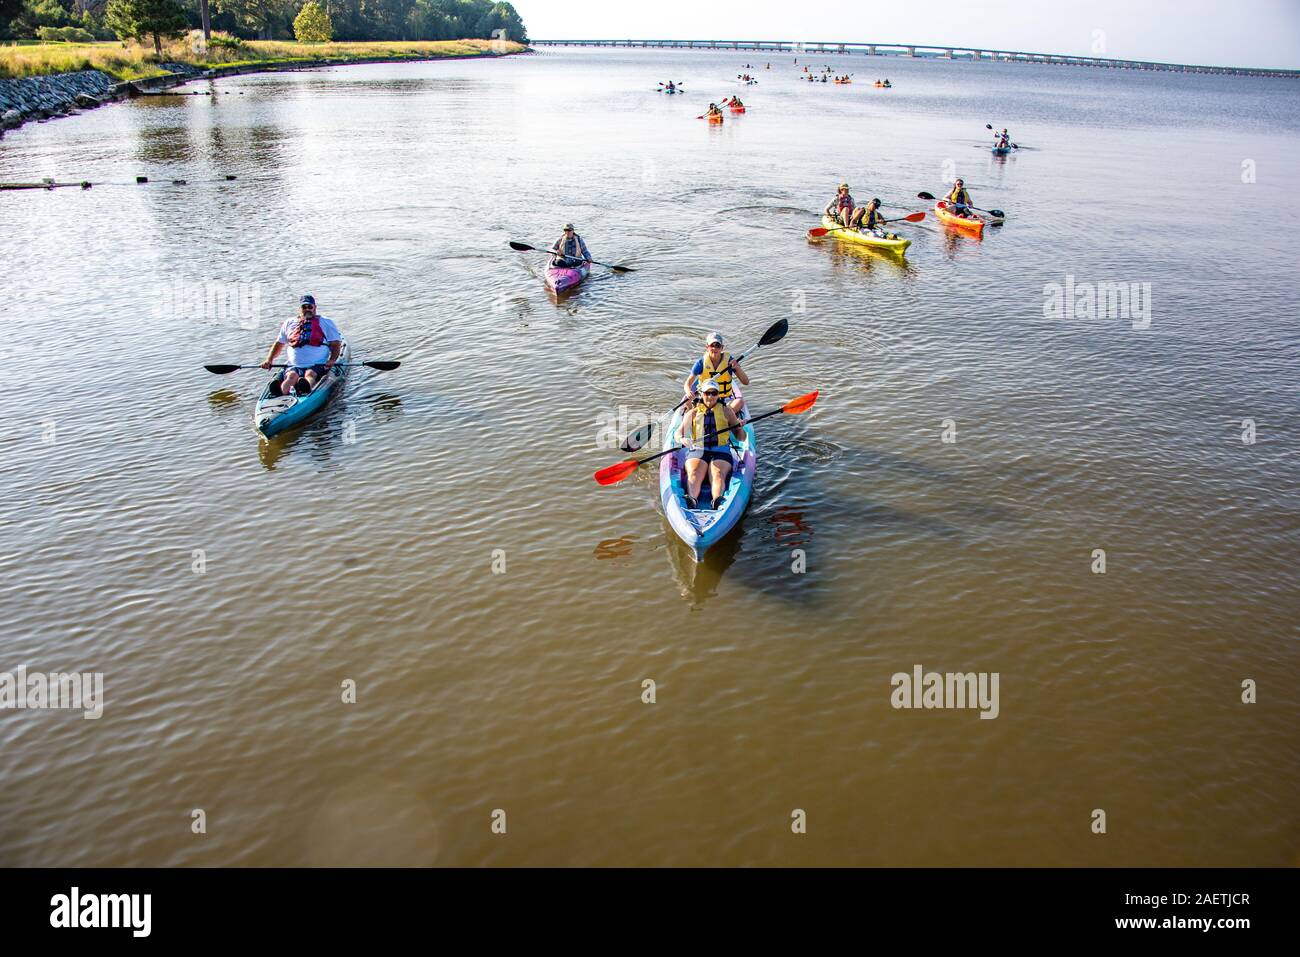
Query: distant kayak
point(275, 412)
point(898, 246)
point(563, 278)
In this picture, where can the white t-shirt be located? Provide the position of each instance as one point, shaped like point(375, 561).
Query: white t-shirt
point(305, 356)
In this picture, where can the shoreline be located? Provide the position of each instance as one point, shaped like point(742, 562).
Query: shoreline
point(58, 95)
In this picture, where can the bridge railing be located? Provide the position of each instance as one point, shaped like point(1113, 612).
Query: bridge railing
point(923, 51)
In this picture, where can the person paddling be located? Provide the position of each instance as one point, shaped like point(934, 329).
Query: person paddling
point(702, 432)
point(736, 104)
point(960, 199)
point(868, 220)
point(840, 208)
point(314, 345)
point(1003, 139)
point(718, 367)
point(671, 87)
point(569, 250)
point(713, 110)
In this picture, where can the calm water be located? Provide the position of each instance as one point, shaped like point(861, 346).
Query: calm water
point(362, 547)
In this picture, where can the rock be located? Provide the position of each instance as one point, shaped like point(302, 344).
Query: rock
point(11, 118)
point(87, 100)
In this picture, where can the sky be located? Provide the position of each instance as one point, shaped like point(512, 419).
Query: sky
point(1259, 33)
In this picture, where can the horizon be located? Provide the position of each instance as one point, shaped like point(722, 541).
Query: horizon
point(1258, 34)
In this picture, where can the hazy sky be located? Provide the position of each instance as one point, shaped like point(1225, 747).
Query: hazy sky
point(1262, 33)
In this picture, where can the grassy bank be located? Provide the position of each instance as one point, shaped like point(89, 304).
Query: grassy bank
point(134, 62)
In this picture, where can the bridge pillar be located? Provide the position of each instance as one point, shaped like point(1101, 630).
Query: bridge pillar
point(871, 49)
point(911, 51)
point(841, 47)
point(949, 54)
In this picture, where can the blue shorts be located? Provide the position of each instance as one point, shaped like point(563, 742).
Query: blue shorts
point(319, 369)
point(709, 455)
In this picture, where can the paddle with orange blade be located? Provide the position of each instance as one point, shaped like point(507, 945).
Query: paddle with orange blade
point(614, 474)
point(817, 232)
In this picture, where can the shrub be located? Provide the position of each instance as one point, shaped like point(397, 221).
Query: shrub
point(65, 34)
point(222, 41)
point(313, 24)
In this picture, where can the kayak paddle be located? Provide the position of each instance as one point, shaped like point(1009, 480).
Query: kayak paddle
point(383, 365)
point(774, 334)
point(819, 231)
point(616, 473)
point(525, 248)
point(993, 212)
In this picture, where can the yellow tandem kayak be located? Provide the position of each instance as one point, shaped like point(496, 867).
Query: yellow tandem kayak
point(865, 238)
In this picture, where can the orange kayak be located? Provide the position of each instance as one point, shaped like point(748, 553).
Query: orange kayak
point(737, 109)
point(717, 118)
point(942, 212)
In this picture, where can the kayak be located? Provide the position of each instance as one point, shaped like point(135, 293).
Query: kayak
point(866, 239)
point(974, 223)
point(1001, 150)
point(737, 109)
point(703, 527)
point(563, 278)
point(714, 118)
point(275, 412)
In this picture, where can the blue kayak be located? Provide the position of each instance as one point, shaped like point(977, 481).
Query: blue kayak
point(1001, 150)
point(275, 412)
point(700, 528)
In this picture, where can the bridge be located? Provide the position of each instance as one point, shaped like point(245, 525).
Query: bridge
point(920, 51)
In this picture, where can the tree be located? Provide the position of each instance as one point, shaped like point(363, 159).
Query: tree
point(263, 17)
point(312, 24)
point(9, 10)
point(206, 19)
point(138, 19)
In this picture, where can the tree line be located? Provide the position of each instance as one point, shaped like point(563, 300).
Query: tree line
point(270, 19)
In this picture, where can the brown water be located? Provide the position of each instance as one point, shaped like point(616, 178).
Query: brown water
point(362, 548)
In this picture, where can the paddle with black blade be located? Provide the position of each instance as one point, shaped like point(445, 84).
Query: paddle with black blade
point(642, 435)
point(382, 365)
point(616, 473)
point(992, 212)
point(819, 231)
point(989, 126)
point(525, 248)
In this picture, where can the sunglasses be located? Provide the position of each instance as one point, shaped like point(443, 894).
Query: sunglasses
point(711, 392)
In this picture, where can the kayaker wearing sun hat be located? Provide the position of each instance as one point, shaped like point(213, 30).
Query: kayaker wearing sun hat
point(840, 208)
point(959, 198)
point(314, 344)
point(570, 251)
point(704, 433)
point(718, 367)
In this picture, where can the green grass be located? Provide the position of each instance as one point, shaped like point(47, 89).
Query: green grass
point(134, 62)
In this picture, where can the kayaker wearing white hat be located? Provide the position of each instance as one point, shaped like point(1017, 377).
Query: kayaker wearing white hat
point(314, 344)
point(718, 365)
point(570, 251)
point(704, 433)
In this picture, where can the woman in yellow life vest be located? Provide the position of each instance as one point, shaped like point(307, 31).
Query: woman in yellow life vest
point(704, 432)
point(718, 366)
point(868, 220)
point(959, 198)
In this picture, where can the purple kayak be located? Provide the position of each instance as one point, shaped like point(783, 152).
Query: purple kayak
point(560, 279)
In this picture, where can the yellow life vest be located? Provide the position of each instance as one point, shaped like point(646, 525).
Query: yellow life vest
point(721, 375)
point(959, 196)
point(701, 432)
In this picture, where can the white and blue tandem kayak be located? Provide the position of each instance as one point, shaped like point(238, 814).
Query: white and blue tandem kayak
point(275, 412)
point(701, 528)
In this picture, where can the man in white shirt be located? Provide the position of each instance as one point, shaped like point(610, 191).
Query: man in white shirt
point(314, 344)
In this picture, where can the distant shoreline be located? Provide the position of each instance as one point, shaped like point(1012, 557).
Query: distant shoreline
point(55, 95)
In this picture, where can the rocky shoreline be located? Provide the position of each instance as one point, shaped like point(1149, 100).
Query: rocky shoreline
point(37, 98)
